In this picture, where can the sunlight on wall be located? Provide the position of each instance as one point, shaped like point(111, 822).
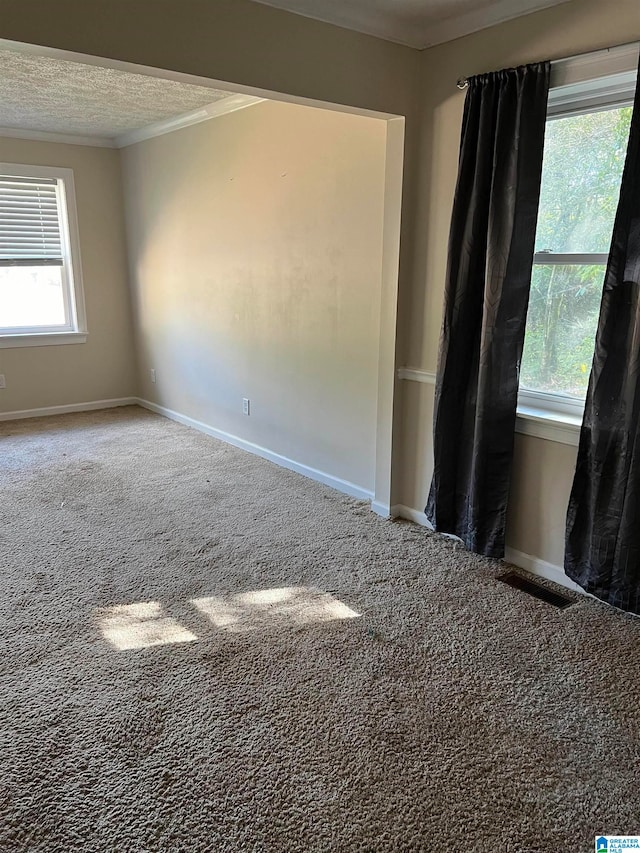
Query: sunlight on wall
point(251, 611)
point(136, 626)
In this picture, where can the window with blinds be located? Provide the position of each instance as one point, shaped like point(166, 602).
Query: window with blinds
point(29, 222)
point(40, 292)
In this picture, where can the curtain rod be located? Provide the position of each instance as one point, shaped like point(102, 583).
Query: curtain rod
point(463, 82)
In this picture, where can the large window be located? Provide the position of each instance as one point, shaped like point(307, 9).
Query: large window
point(585, 148)
point(40, 286)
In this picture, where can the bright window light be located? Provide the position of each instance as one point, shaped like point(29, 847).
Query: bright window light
point(138, 626)
point(32, 297)
point(582, 169)
point(262, 609)
point(40, 280)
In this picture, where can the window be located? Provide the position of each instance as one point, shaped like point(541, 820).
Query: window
point(40, 283)
point(585, 147)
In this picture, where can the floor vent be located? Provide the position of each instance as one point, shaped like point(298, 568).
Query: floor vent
point(536, 589)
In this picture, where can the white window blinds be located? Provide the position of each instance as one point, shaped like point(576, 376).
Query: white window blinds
point(29, 222)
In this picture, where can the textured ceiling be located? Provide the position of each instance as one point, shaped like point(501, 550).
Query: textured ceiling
point(417, 23)
point(40, 93)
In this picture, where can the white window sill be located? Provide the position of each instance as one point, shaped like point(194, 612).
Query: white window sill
point(536, 420)
point(42, 340)
point(552, 426)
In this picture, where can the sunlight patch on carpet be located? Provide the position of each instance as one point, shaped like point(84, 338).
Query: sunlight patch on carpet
point(258, 609)
point(137, 626)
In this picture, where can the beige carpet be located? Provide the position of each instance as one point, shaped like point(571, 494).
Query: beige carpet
point(203, 652)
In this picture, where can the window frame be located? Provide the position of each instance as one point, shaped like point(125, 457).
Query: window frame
point(75, 328)
point(610, 82)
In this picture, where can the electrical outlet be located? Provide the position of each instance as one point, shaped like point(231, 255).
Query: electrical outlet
point(246, 406)
point(153, 375)
point(3, 382)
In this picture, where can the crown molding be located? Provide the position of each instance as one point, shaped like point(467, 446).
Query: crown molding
point(61, 138)
point(410, 31)
point(214, 110)
point(472, 22)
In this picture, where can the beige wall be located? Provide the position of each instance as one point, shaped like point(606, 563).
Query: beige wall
point(255, 247)
point(254, 45)
point(103, 367)
point(543, 469)
point(237, 41)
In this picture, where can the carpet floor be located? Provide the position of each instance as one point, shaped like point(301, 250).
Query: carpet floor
point(201, 651)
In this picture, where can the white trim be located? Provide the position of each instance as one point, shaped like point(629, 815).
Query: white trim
point(562, 426)
point(46, 339)
point(555, 406)
point(418, 517)
point(590, 66)
point(548, 425)
point(536, 566)
point(415, 374)
point(62, 138)
point(168, 125)
point(410, 514)
point(337, 483)
point(568, 259)
point(386, 432)
point(76, 325)
point(214, 110)
point(70, 234)
point(589, 96)
point(47, 411)
point(381, 509)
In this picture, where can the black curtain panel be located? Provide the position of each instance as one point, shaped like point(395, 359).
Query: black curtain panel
point(491, 245)
point(603, 520)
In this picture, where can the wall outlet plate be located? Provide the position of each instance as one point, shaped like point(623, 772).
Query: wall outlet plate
point(246, 406)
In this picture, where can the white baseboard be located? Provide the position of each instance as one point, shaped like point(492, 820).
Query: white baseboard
point(541, 568)
point(410, 514)
point(312, 473)
point(90, 406)
point(534, 565)
point(381, 509)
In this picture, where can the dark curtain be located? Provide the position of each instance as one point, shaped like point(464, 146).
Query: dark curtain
point(491, 246)
point(603, 520)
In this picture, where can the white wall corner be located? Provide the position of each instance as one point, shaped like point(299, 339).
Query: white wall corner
point(391, 226)
point(380, 508)
point(410, 514)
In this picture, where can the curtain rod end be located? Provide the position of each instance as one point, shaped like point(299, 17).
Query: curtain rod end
point(462, 83)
